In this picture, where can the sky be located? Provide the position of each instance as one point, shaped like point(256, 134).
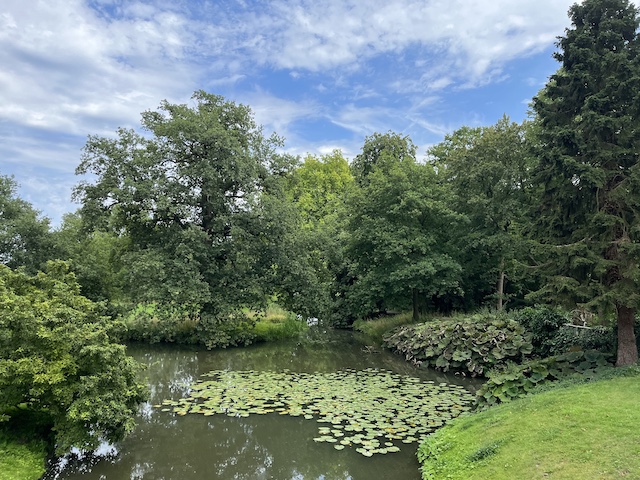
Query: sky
point(323, 74)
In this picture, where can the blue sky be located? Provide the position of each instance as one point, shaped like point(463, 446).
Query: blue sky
point(321, 73)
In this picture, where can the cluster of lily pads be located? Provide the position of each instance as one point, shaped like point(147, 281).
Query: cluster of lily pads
point(372, 410)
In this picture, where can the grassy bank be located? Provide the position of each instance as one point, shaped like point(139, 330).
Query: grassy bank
point(23, 448)
point(377, 327)
point(21, 461)
point(586, 431)
point(278, 324)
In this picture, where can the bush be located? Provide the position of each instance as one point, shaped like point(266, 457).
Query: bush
point(58, 359)
point(519, 380)
point(155, 323)
point(376, 328)
point(602, 339)
point(553, 334)
point(272, 328)
point(471, 345)
point(543, 323)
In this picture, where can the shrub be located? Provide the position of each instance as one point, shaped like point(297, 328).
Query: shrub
point(271, 329)
point(553, 334)
point(543, 323)
point(602, 339)
point(58, 359)
point(518, 380)
point(376, 328)
point(155, 323)
point(471, 345)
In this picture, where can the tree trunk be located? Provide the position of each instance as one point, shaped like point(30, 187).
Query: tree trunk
point(627, 348)
point(416, 310)
point(501, 277)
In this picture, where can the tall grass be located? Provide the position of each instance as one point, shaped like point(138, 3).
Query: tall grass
point(278, 324)
point(377, 327)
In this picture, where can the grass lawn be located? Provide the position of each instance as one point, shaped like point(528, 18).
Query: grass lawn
point(19, 460)
point(589, 431)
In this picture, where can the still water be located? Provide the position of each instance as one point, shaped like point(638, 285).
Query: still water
point(169, 447)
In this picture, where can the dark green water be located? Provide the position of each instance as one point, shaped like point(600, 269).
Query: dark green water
point(165, 446)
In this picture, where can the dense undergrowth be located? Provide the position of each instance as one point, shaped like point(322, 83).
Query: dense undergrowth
point(471, 345)
point(152, 323)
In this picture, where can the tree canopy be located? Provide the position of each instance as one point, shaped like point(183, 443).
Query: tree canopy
point(25, 239)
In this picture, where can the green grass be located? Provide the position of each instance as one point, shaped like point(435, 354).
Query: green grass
point(20, 461)
point(23, 448)
point(588, 431)
point(278, 324)
point(377, 327)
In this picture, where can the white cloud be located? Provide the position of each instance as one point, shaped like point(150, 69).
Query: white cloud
point(69, 68)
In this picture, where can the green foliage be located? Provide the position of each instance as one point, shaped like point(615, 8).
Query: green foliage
point(24, 445)
point(282, 327)
point(567, 338)
point(200, 205)
point(155, 323)
point(489, 171)
point(520, 380)
point(25, 239)
point(544, 323)
point(553, 333)
point(472, 345)
point(57, 357)
point(400, 227)
point(95, 257)
point(376, 328)
point(21, 460)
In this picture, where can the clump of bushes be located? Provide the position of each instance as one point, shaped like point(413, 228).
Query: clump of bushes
point(553, 333)
point(518, 380)
point(154, 323)
point(279, 327)
point(470, 345)
point(376, 328)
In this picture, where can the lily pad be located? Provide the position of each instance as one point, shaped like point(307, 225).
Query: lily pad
point(364, 409)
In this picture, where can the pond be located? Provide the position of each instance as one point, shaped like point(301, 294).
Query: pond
point(269, 446)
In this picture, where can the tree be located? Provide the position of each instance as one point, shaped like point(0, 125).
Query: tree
point(58, 357)
point(489, 170)
point(95, 257)
point(318, 188)
point(196, 198)
point(589, 170)
point(377, 146)
point(401, 229)
point(25, 239)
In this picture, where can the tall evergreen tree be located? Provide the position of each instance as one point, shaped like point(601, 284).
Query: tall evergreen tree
point(589, 120)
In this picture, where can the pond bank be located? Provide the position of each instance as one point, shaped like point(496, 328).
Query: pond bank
point(586, 431)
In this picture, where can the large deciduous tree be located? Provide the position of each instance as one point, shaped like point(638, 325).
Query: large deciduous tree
point(589, 127)
point(489, 170)
point(198, 196)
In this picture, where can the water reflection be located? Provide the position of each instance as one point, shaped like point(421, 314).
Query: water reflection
point(165, 446)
